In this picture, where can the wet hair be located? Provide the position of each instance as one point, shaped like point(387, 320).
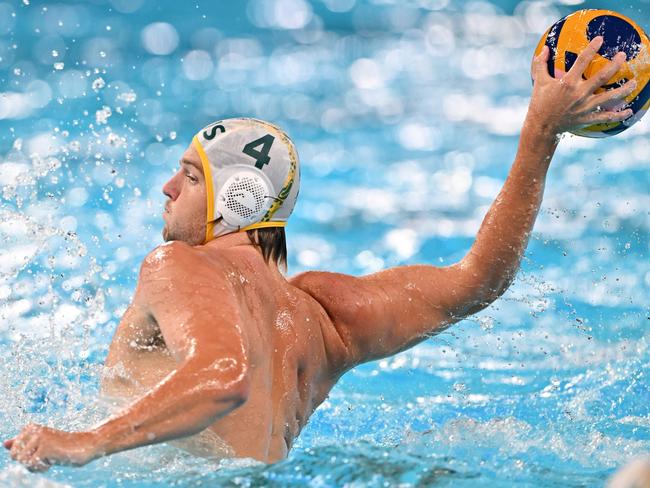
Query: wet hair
point(272, 242)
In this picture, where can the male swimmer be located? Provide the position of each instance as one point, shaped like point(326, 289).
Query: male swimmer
point(222, 354)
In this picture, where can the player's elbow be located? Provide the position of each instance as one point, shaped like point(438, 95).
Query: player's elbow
point(491, 293)
point(499, 287)
point(224, 380)
point(484, 286)
point(232, 387)
point(477, 299)
point(479, 304)
point(242, 390)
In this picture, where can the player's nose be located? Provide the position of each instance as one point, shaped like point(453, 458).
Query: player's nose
point(170, 189)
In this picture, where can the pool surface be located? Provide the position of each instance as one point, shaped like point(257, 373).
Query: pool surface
point(406, 117)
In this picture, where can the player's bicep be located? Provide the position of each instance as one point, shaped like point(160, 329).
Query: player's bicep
point(448, 293)
point(408, 304)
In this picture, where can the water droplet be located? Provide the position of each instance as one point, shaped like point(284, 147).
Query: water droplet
point(101, 116)
point(98, 84)
point(128, 97)
point(486, 323)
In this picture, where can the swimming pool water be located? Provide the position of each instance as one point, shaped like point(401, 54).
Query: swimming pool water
point(405, 116)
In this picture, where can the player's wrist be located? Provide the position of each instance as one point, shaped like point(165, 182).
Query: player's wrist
point(102, 440)
point(541, 129)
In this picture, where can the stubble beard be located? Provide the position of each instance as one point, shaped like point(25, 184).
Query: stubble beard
point(190, 235)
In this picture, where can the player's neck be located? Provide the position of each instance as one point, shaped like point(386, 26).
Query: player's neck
point(229, 240)
point(240, 239)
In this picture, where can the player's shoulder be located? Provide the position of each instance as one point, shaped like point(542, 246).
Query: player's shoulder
point(180, 258)
point(344, 297)
point(169, 254)
point(176, 265)
point(177, 258)
point(319, 279)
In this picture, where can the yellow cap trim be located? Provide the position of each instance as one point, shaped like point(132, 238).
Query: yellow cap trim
point(209, 189)
point(262, 225)
point(288, 182)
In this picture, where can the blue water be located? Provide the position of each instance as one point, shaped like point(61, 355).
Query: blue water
point(406, 116)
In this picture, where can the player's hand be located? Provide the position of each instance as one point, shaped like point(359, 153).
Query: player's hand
point(39, 447)
point(569, 103)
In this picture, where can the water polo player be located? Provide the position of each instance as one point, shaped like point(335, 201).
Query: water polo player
point(223, 355)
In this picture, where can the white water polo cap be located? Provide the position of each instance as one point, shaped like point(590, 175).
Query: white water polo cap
point(252, 175)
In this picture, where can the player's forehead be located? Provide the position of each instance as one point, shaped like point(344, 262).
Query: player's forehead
point(191, 157)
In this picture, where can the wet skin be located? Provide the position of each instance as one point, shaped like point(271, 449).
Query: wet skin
point(217, 340)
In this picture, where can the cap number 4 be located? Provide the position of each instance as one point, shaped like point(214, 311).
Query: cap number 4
point(262, 156)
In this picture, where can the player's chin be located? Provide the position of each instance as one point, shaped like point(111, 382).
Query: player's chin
point(166, 235)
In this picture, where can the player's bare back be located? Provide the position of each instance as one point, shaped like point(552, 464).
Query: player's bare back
point(295, 354)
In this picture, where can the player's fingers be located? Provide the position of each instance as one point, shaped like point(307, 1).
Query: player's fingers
point(540, 65)
point(21, 440)
point(37, 464)
point(607, 117)
point(604, 75)
point(17, 446)
point(611, 96)
point(585, 57)
point(27, 451)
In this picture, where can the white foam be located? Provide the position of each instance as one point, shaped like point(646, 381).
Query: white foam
point(16, 476)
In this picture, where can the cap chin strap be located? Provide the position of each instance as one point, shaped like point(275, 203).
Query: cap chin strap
point(209, 190)
point(221, 229)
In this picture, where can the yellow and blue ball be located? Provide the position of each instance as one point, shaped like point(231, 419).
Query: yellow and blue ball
point(569, 36)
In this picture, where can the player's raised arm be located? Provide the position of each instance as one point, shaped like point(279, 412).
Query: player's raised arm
point(556, 106)
point(386, 312)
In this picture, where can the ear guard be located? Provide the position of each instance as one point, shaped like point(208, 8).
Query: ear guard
point(244, 198)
